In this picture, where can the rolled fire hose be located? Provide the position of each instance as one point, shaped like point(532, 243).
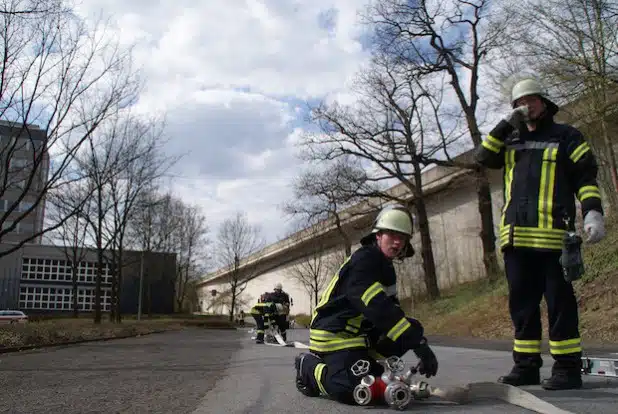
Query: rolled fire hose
point(493, 390)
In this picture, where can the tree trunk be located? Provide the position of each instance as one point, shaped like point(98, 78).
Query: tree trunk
point(74, 270)
point(233, 303)
point(112, 298)
point(97, 288)
point(488, 236)
point(612, 194)
point(483, 192)
point(429, 264)
point(118, 295)
point(149, 293)
point(315, 298)
point(118, 278)
point(346, 239)
point(99, 275)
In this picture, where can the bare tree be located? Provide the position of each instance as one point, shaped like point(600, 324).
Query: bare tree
point(237, 240)
point(573, 46)
point(314, 270)
point(71, 236)
point(67, 79)
point(323, 194)
point(143, 163)
point(103, 162)
point(192, 253)
point(32, 7)
point(446, 38)
point(388, 127)
point(152, 229)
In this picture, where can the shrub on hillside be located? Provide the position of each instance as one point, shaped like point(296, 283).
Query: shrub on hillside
point(302, 320)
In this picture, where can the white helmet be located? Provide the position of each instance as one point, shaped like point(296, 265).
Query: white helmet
point(278, 286)
point(531, 86)
point(395, 218)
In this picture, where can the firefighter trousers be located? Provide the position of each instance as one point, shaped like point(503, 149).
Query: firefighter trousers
point(263, 318)
point(532, 274)
point(332, 375)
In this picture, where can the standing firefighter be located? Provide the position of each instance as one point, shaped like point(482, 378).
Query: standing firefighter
point(272, 307)
point(282, 309)
point(358, 318)
point(262, 312)
point(546, 165)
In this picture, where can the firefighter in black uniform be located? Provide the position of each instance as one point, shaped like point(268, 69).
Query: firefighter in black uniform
point(261, 312)
point(546, 165)
point(358, 318)
point(282, 309)
point(272, 307)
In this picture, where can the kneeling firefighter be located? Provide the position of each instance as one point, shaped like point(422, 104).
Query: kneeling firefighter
point(358, 318)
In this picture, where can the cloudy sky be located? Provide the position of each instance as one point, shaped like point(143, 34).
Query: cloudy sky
point(233, 77)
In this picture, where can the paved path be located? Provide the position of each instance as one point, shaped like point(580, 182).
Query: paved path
point(260, 380)
point(160, 373)
point(207, 371)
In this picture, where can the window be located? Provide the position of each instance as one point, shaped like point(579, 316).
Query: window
point(25, 205)
point(17, 164)
point(26, 227)
point(60, 296)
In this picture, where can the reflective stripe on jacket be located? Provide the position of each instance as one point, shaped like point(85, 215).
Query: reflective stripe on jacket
point(359, 304)
point(544, 171)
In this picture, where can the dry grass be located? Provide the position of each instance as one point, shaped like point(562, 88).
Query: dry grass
point(59, 331)
point(480, 309)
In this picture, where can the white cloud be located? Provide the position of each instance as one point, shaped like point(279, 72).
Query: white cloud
point(231, 76)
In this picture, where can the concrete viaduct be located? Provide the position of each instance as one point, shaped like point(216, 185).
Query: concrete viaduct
point(454, 222)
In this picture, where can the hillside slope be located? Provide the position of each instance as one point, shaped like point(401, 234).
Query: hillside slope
point(480, 309)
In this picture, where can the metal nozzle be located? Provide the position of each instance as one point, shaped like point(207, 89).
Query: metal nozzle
point(420, 390)
point(362, 394)
point(397, 395)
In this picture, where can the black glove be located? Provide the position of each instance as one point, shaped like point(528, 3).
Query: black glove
point(429, 363)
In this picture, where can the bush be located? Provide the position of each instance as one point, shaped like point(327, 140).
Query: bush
point(302, 320)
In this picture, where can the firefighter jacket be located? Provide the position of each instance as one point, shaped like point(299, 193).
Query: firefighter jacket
point(358, 303)
point(279, 297)
point(544, 170)
point(267, 303)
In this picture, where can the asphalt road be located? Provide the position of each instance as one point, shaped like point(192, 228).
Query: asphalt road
point(260, 380)
point(159, 373)
point(207, 371)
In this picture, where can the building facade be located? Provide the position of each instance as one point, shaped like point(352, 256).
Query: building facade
point(24, 167)
point(39, 279)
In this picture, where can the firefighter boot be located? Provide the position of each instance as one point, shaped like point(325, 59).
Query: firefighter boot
point(566, 374)
point(305, 362)
point(260, 337)
point(562, 381)
point(519, 377)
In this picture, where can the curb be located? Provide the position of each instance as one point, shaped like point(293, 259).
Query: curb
point(103, 339)
point(590, 348)
point(77, 342)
